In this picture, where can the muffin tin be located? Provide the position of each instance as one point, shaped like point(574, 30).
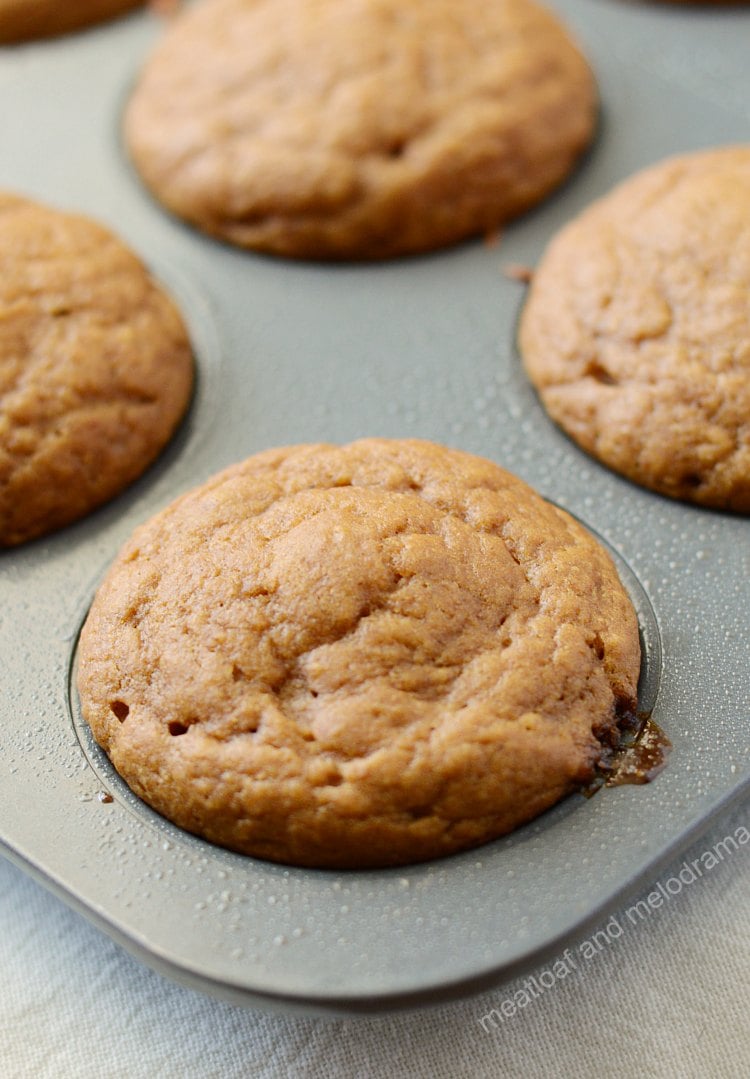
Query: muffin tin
point(424, 347)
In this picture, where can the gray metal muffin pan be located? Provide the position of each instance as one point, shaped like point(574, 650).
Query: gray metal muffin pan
point(422, 347)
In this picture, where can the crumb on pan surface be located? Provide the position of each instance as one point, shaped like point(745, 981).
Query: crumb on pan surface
point(358, 128)
point(358, 656)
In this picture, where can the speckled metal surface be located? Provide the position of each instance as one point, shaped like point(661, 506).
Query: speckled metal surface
point(424, 347)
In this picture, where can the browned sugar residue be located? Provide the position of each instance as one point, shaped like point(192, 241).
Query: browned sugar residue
point(639, 756)
point(642, 760)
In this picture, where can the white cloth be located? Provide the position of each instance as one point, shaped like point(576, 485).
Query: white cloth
point(668, 998)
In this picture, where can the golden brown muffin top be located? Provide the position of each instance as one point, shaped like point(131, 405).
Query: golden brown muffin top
point(95, 368)
point(360, 655)
point(637, 328)
point(358, 128)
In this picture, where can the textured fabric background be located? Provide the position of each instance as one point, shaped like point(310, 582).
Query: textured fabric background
point(669, 997)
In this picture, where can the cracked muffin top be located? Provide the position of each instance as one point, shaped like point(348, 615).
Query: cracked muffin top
point(96, 368)
point(358, 656)
point(22, 20)
point(358, 129)
point(636, 331)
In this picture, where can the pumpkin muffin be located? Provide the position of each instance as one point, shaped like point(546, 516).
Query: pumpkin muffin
point(636, 332)
point(358, 129)
point(96, 368)
point(356, 656)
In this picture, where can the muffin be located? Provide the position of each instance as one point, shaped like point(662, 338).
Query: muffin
point(357, 656)
point(636, 334)
point(96, 368)
point(358, 129)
